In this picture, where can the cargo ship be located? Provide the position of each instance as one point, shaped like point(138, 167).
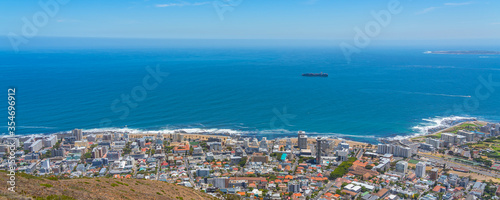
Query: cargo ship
point(316, 74)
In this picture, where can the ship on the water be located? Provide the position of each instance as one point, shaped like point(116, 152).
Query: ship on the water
point(316, 74)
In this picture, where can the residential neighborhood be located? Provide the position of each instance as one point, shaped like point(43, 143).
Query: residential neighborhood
point(460, 164)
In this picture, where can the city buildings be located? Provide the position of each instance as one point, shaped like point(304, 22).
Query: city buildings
point(396, 150)
point(60, 152)
point(402, 167)
point(33, 145)
point(302, 140)
point(77, 133)
point(50, 141)
point(113, 155)
point(203, 172)
point(247, 166)
point(177, 137)
point(434, 142)
point(420, 169)
point(320, 143)
point(400, 151)
point(434, 173)
point(453, 139)
point(469, 136)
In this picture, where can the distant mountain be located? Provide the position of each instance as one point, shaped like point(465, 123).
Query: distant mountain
point(465, 52)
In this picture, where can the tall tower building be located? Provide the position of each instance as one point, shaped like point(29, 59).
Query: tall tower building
point(78, 134)
point(302, 140)
point(319, 150)
point(402, 166)
point(420, 170)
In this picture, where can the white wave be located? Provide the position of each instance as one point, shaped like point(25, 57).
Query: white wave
point(118, 130)
point(436, 94)
point(445, 95)
point(428, 126)
point(437, 123)
point(339, 135)
point(432, 125)
point(277, 133)
point(162, 131)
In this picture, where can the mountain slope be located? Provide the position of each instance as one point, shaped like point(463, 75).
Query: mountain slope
point(95, 188)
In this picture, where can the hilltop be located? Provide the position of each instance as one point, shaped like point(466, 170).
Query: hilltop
point(95, 188)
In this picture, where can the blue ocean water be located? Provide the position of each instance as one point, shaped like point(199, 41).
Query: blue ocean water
point(382, 92)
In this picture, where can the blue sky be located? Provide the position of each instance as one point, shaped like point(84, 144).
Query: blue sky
point(257, 19)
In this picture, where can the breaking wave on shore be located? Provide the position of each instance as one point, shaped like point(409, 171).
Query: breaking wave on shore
point(433, 125)
point(163, 131)
point(270, 134)
point(427, 126)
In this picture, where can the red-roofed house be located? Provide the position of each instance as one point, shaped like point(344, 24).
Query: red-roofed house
point(439, 188)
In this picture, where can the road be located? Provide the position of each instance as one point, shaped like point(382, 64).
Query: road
point(186, 164)
point(157, 169)
point(423, 192)
point(460, 165)
point(327, 187)
point(360, 153)
point(294, 166)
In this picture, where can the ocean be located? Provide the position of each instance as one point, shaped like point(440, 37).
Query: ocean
point(256, 91)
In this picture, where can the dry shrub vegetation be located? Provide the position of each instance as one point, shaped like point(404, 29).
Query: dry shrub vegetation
point(32, 187)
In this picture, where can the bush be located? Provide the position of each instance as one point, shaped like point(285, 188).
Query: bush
point(55, 197)
point(121, 183)
point(28, 176)
point(53, 178)
point(46, 185)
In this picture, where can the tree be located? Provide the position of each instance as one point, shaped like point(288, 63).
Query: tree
point(46, 155)
point(342, 169)
point(57, 145)
point(127, 149)
point(243, 161)
point(87, 155)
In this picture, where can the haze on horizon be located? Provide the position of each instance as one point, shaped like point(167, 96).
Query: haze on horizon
point(466, 22)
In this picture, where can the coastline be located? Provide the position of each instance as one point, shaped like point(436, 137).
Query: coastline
point(449, 129)
point(435, 127)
